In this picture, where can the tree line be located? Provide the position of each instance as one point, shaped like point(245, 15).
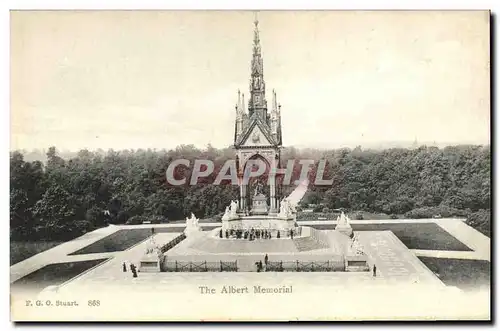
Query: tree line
point(64, 198)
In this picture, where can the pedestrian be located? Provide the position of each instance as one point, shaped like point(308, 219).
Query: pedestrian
point(134, 271)
point(124, 267)
point(374, 270)
point(266, 259)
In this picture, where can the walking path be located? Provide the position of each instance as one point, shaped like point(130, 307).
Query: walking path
point(393, 260)
point(59, 254)
point(469, 236)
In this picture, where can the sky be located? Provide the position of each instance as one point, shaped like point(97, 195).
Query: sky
point(158, 79)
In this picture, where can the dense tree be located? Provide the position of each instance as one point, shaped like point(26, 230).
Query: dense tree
point(54, 213)
point(66, 197)
point(480, 220)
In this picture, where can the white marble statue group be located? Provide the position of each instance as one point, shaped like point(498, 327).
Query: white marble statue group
point(343, 220)
point(234, 208)
point(356, 246)
point(192, 223)
point(231, 211)
point(286, 209)
point(152, 247)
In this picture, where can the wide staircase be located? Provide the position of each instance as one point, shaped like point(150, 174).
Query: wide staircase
point(213, 245)
point(311, 239)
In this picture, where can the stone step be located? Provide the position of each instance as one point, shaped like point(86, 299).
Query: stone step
point(310, 242)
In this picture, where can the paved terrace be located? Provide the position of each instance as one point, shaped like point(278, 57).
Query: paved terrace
point(176, 296)
point(59, 254)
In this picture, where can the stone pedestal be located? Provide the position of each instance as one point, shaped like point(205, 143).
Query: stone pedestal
point(343, 225)
point(259, 205)
point(259, 222)
point(347, 230)
point(225, 225)
point(357, 263)
point(192, 225)
point(149, 263)
point(191, 231)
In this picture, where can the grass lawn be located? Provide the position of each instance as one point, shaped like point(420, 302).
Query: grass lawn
point(413, 235)
point(465, 274)
point(209, 227)
point(331, 215)
point(124, 239)
point(21, 250)
point(118, 241)
point(54, 274)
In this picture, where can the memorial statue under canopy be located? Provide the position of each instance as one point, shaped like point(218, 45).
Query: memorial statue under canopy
point(258, 189)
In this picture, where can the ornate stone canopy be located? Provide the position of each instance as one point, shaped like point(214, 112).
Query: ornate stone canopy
point(258, 133)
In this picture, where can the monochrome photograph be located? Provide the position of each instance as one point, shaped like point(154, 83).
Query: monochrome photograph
point(250, 165)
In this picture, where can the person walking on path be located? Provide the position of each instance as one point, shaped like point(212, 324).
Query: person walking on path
point(124, 267)
point(266, 259)
point(134, 270)
point(374, 270)
point(259, 265)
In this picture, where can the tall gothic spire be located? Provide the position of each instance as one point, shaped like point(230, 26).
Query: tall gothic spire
point(257, 103)
point(257, 119)
point(257, 55)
